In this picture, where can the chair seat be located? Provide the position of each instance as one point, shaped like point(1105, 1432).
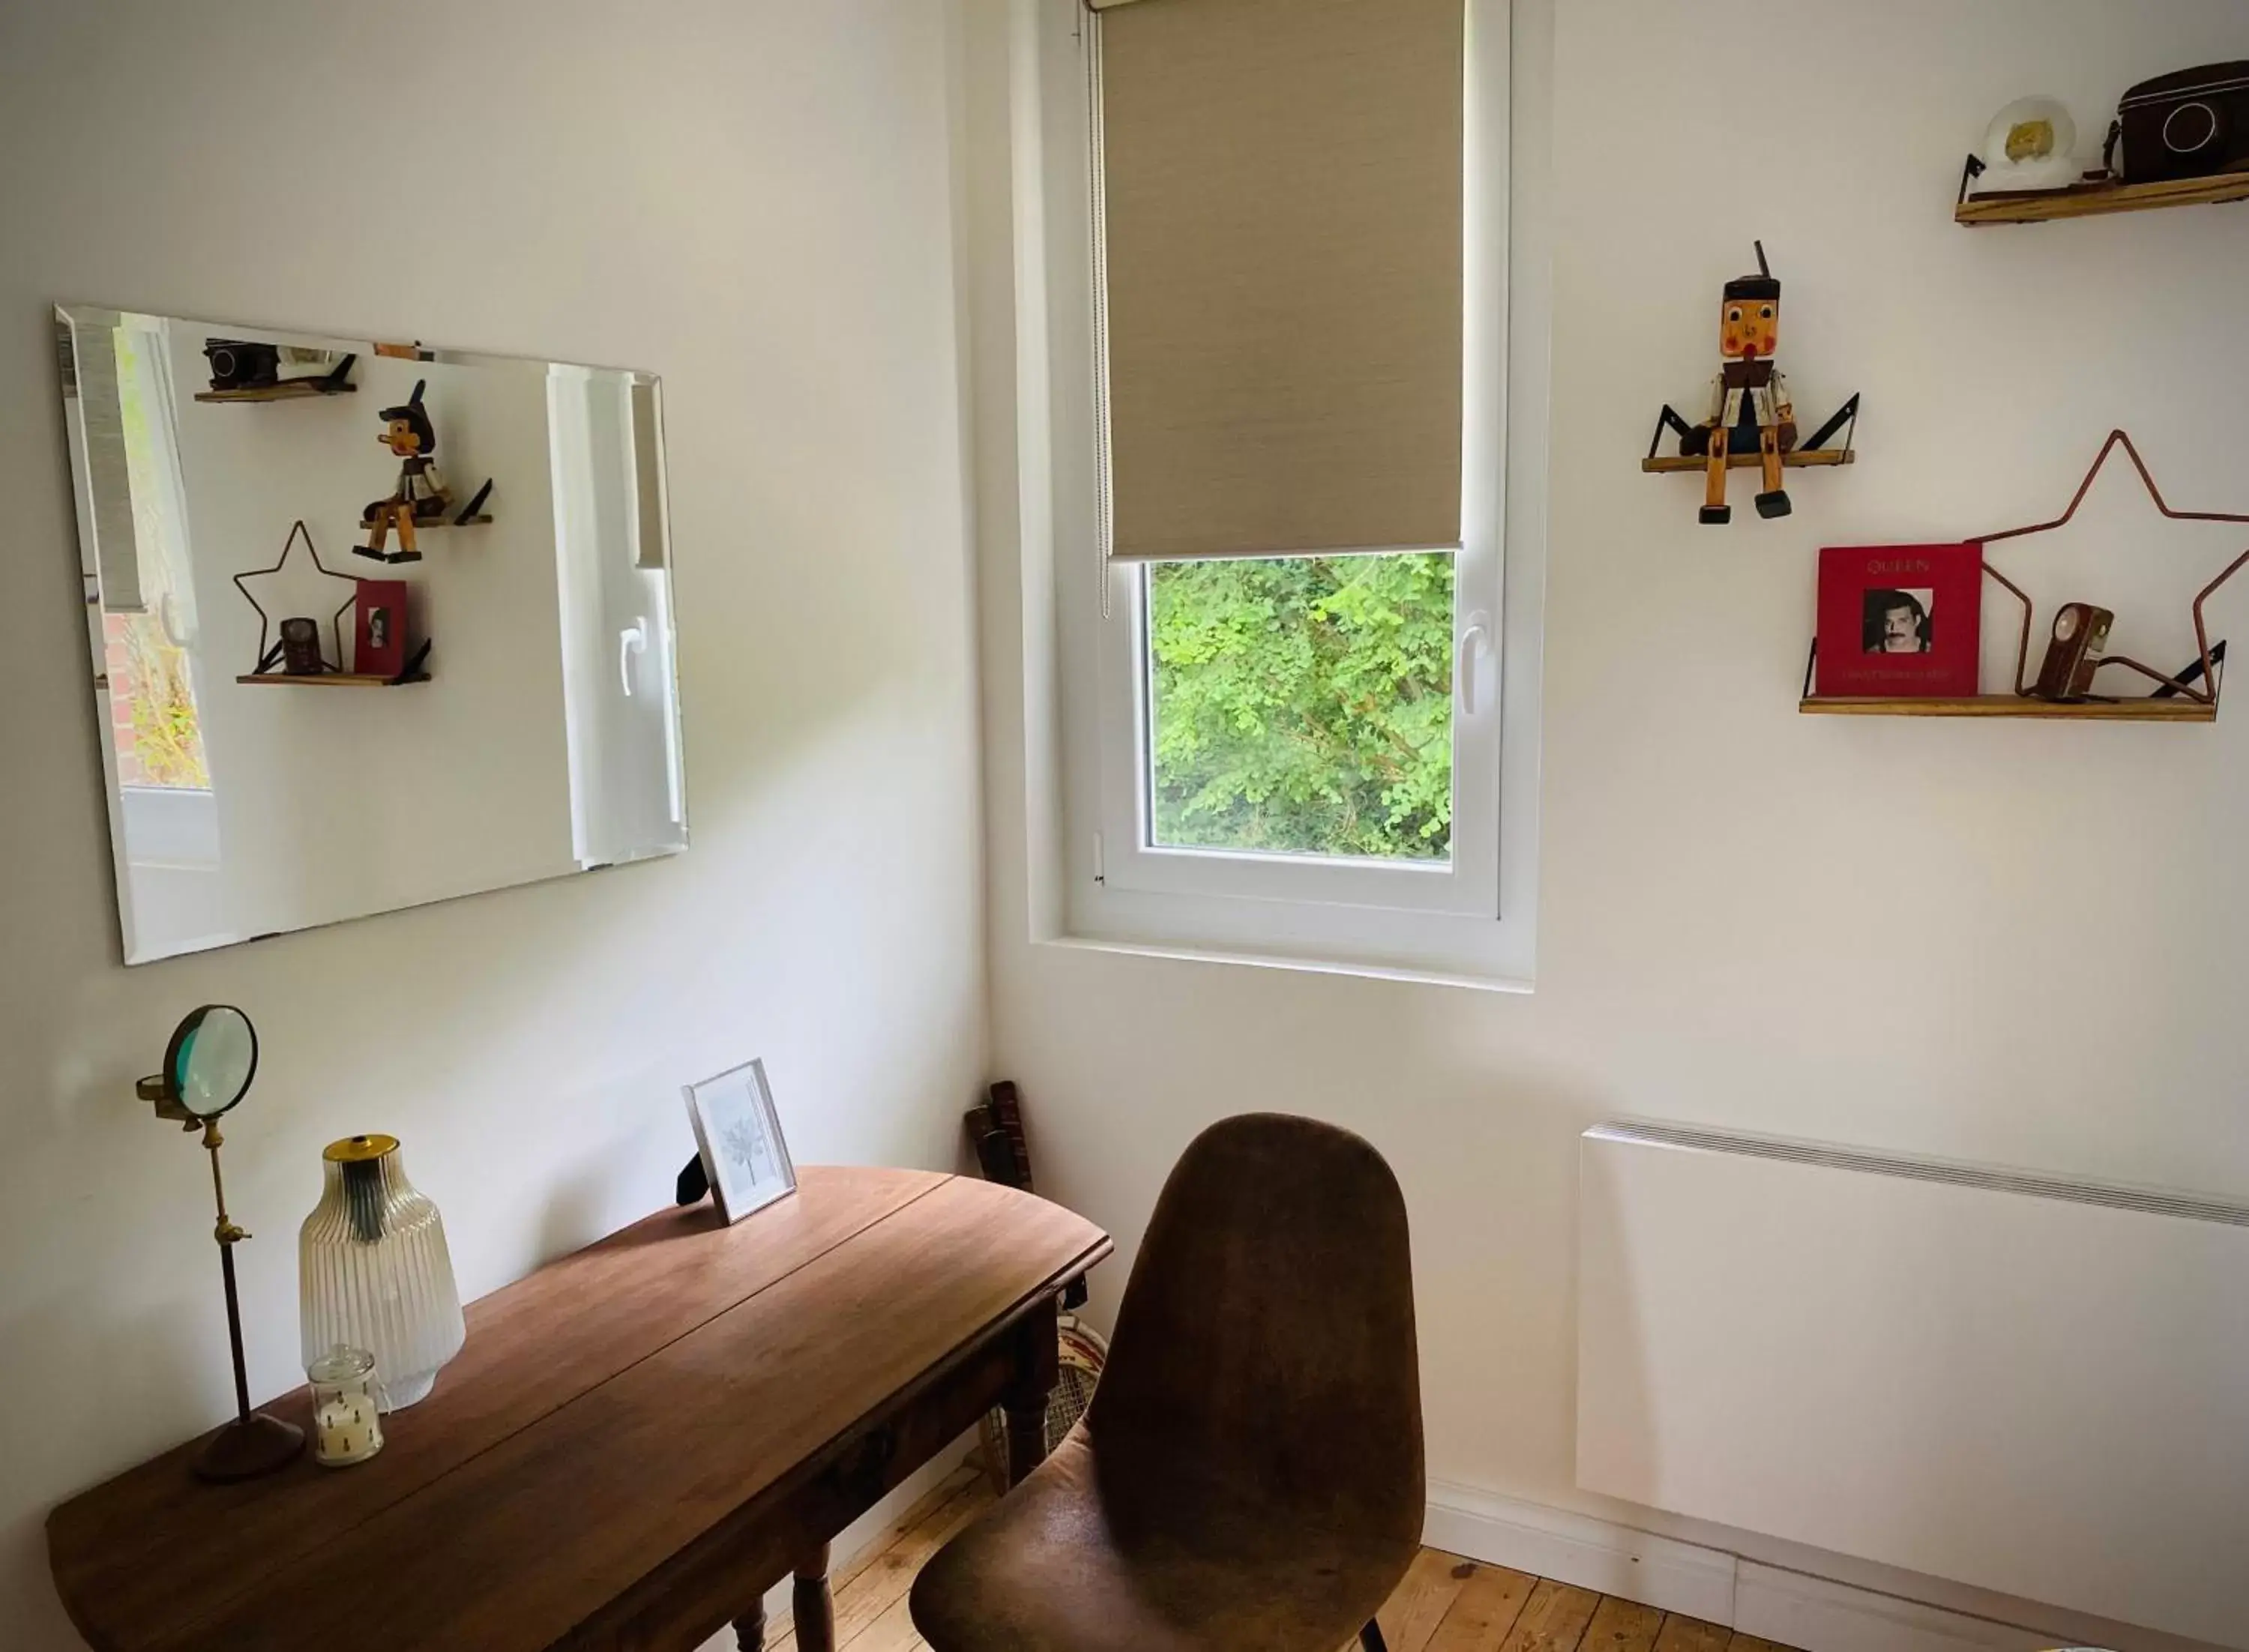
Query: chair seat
point(1059, 1566)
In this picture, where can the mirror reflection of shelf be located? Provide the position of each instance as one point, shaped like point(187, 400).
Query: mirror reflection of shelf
point(2099, 200)
point(287, 390)
point(2011, 705)
point(337, 680)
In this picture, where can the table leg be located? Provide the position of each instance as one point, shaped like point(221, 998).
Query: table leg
point(1037, 1368)
point(1027, 1438)
point(814, 1609)
point(750, 1629)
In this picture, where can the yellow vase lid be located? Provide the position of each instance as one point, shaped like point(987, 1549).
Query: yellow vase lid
point(359, 1149)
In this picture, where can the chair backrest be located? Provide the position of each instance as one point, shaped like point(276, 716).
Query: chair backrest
point(1266, 1338)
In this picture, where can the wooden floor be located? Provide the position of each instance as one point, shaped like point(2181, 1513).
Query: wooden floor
point(1446, 1604)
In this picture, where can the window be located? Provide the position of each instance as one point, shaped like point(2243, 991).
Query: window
point(1307, 729)
point(148, 609)
point(1302, 706)
point(1292, 647)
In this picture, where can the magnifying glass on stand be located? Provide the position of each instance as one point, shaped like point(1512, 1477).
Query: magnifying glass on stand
point(207, 1069)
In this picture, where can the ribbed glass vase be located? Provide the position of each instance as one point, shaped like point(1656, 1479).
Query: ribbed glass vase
point(374, 1271)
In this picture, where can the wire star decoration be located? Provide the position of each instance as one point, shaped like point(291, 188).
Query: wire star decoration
point(266, 621)
point(2208, 673)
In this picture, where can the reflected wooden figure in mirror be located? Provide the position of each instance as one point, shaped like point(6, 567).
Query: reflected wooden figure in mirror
point(420, 495)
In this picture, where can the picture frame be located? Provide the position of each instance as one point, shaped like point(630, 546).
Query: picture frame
point(738, 1133)
point(379, 628)
point(1899, 621)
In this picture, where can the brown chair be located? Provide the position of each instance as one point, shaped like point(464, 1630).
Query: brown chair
point(1248, 1475)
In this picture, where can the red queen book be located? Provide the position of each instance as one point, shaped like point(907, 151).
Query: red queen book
point(379, 631)
point(1899, 621)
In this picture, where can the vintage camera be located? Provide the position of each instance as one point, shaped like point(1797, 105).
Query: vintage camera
point(2080, 634)
point(2187, 125)
point(240, 364)
point(300, 648)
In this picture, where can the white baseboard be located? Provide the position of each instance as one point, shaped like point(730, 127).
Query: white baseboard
point(1798, 1609)
point(1578, 1549)
point(1790, 1608)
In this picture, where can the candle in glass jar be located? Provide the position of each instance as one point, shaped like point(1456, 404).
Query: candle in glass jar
point(346, 1406)
point(348, 1431)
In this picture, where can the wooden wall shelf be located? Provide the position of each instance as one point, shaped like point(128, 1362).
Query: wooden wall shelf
point(337, 680)
point(2103, 199)
point(290, 390)
point(2011, 705)
point(1796, 461)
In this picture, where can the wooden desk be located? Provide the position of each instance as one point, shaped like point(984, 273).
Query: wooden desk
point(637, 1443)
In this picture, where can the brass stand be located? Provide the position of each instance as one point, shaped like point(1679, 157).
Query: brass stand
point(254, 1444)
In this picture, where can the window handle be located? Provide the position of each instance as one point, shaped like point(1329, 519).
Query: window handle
point(632, 641)
point(1475, 642)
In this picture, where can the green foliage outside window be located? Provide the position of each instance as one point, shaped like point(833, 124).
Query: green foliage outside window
point(167, 736)
point(163, 745)
point(1304, 705)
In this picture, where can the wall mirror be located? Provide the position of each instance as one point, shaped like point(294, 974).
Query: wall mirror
point(372, 625)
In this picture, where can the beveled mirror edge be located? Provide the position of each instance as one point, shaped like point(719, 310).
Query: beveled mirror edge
point(66, 321)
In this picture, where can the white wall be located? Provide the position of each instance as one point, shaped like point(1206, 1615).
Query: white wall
point(2011, 942)
point(751, 198)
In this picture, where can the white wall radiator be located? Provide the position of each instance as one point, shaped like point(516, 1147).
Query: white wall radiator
point(2035, 1385)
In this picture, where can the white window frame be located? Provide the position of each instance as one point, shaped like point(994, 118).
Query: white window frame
point(1467, 882)
point(1473, 920)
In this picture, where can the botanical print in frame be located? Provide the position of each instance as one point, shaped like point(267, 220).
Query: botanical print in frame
point(739, 1134)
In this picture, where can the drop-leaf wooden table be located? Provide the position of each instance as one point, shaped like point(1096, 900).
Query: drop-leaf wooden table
point(637, 1442)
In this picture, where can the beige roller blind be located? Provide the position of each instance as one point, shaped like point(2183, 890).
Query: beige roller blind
point(1281, 197)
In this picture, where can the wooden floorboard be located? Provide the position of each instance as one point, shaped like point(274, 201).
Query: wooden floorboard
point(1555, 1619)
point(1486, 1608)
point(1692, 1635)
point(1432, 1586)
point(1444, 1603)
point(1619, 1625)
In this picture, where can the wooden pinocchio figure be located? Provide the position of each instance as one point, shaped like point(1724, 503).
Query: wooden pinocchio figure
point(420, 497)
point(1750, 408)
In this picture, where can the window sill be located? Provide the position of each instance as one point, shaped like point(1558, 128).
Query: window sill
point(1301, 965)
